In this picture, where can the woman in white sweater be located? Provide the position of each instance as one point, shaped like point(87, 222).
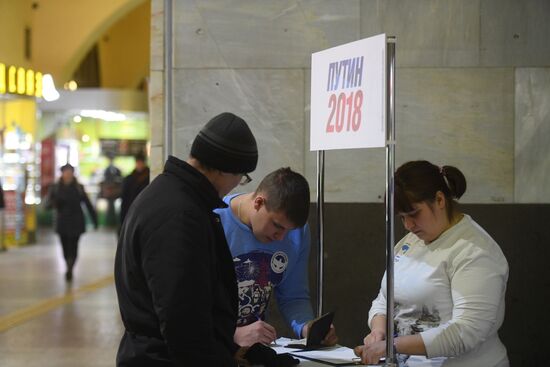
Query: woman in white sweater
point(450, 279)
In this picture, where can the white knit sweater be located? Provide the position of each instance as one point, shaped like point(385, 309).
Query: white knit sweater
point(451, 292)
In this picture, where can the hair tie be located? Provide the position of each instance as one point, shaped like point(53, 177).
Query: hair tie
point(444, 175)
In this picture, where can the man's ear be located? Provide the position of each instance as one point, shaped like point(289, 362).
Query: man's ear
point(259, 201)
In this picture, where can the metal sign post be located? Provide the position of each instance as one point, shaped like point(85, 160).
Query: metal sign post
point(391, 358)
point(320, 227)
point(353, 106)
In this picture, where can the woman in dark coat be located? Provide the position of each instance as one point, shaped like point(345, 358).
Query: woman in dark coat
point(65, 197)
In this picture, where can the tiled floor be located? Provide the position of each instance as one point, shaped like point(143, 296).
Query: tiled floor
point(46, 323)
point(56, 324)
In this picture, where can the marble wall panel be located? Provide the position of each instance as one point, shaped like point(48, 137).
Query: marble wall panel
point(156, 161)
point(233, 55)
point(532, 135)
point(271, 101)
point(460, 117)
point(351, 175)
point(310, 158)
point(156, 107)
point(259, 34)
point(430, 33)
point(515, 33)
point(157, 34)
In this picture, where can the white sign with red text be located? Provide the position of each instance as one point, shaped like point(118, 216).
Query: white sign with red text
point(348, 95)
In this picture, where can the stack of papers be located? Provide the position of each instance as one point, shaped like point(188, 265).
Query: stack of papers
point(281, 343)
point(333, 356)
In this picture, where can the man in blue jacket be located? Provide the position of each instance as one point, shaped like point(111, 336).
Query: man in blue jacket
point(269, 239)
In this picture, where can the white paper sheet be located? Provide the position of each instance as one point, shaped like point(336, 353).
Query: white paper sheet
point(280, 344)
point(334, 355)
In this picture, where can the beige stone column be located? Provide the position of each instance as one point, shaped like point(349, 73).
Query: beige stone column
point(156, 91)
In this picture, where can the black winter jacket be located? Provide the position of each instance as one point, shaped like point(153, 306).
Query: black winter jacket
point(66, 200)
point(174, 275)
point(132, 185)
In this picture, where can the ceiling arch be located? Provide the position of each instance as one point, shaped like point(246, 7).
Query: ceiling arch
point(64, 30)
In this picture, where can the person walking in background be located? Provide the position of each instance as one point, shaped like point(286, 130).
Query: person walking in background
point(133, 184)
point(111, 189)
point(66, 197)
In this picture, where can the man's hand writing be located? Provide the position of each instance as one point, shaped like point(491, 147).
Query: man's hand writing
point(257, 332)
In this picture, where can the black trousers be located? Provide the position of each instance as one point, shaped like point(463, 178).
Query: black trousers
point(70, 247)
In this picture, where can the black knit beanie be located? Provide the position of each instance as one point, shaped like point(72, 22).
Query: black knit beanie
point(227, 144)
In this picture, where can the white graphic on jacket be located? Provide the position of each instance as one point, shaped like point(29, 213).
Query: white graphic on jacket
point(257, 273)
point(414, 322)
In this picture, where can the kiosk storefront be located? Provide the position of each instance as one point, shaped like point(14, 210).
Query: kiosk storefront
point(19, 166)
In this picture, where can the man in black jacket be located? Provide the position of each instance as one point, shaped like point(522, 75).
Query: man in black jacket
point(133, 184)
point(174, 274)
